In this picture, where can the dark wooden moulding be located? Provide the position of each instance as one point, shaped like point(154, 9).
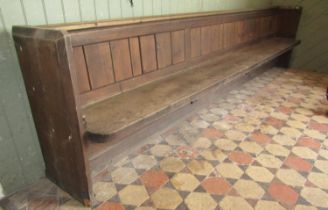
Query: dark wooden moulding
point(69, 67)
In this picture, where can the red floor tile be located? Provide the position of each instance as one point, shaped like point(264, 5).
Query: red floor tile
point(110, 206)
point(216, 185)
point(241, 158)
point(309, 142)
point(154, 179)
point(212, 133)
point(298, 164)
point(260, 138)
point(275, 122)
point(283, 193)
point(318, 126)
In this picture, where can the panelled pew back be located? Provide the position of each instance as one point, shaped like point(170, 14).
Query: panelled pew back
point(112, 61)
point(68, 67)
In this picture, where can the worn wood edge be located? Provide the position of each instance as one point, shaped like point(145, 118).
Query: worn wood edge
point(136, 20)
point(82, 37)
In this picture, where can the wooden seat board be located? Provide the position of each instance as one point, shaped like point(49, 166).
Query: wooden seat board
point(157, 98)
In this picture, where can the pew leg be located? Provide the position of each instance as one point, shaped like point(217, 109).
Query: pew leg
point(284, 60)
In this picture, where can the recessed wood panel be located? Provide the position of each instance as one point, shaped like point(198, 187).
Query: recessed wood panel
point(178, 46)
point(239, 32)
point(258, 30)
point(99, 63)
point(206, 40)
point(215, 37)
point(229, 35)
point(273, 24)
point(195, 36)
point(164, 50)
point(220, 28)
point(121, 59)
point(252, 29)
point(148, 53)
point(267, 25)
point(81, 70)
point(135, 56)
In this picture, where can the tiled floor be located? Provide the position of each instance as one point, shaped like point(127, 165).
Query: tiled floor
point(265, 146)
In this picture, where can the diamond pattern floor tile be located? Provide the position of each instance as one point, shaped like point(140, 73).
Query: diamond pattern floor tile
point(264, 146)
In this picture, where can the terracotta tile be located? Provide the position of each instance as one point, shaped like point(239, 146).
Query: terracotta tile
point(212, 133)
point(260, 138)
point(216, 185)
point(154, 178)
point(284, 110)
point(318, 126)
point(283, 133)
point(283, 193)
point(309, 142)
point(298, 164)
point(277, 123)
point(110, 206)
point(241, 158)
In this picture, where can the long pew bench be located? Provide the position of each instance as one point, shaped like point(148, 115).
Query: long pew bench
point(97, 90)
